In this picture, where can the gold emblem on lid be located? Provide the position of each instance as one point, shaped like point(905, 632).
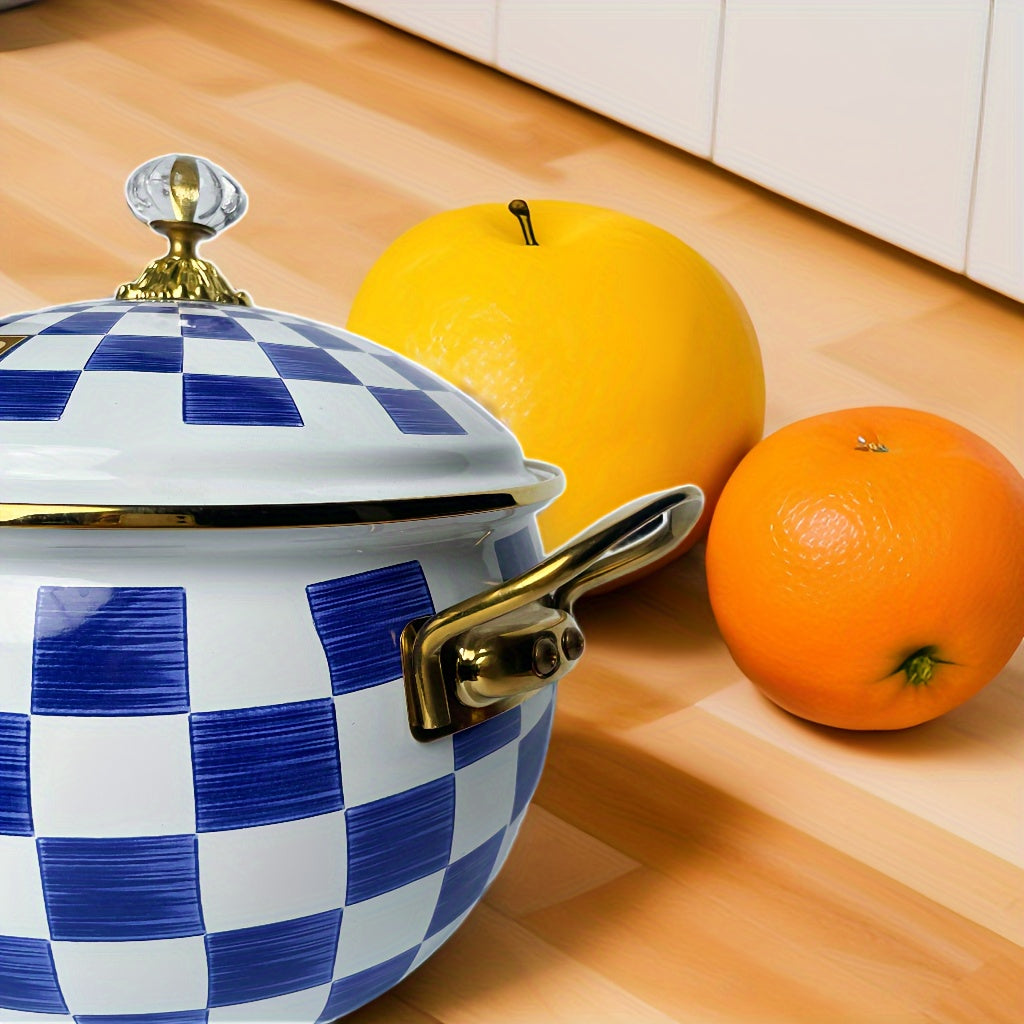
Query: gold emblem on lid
point(8, 341)
point(186, 199)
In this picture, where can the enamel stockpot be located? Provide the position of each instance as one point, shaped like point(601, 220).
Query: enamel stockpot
point(277, 651)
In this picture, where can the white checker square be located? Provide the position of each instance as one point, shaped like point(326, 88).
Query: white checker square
point(132, 977)
point(52, 352)
point(363, 420)
point(116, 776)
point(150, 324)
point(275, 332)
point(150, 398)
point(34, 322)
point(269, 873)
point(236, 658)
point(534, 708)
point(380, 928)
point(231, 356)
point(19, 601)
point(371, 371)
point(373, 720)
point(27, 1017)
point(484, 794)
point(22, 908)
point(305, 1005)
point(366, 344)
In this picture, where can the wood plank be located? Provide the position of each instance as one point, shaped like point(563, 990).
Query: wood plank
point(494, 969)
point(965, 784)
point(691, 857)
point(952, 871)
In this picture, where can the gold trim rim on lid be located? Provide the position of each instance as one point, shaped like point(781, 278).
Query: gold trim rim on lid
point(547, 486)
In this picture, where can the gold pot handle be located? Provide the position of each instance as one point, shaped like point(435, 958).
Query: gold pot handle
point(488, 653)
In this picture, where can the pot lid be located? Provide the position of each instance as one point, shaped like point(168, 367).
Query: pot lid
point(179, 393)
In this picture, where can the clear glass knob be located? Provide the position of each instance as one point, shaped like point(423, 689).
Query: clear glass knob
point(183, 189)
point(187, 199)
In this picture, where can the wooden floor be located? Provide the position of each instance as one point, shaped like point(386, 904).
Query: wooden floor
point(704, 859)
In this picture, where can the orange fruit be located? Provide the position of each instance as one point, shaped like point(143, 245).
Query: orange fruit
point(866, 566)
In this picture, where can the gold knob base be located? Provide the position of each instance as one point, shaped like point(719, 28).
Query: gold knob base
point(184, 278)
point(182, 274)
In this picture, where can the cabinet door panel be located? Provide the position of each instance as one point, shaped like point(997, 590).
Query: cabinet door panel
point(866, 111)
point(996, 252)
point(463, 25)
point(650, 65)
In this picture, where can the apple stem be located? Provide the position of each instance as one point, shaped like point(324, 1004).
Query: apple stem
point(522, 213)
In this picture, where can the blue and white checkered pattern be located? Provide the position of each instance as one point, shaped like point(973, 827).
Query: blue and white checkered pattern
point(229, 365)
point(189, 834)
point(192, 402)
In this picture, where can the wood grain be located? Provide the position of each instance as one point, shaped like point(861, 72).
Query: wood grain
point(693, 855)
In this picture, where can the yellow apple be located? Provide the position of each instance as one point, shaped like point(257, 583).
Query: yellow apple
point(609, 347)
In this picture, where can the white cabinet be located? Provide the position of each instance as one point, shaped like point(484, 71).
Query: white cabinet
point(901, 117)
point(867, 111)
point(996, 252)
point(463, 25)
point(648, 64)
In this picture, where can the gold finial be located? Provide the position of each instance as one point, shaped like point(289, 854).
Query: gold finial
point(186, 199)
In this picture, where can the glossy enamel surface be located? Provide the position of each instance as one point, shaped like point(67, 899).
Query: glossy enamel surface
point(143, 403)
point(212, 802)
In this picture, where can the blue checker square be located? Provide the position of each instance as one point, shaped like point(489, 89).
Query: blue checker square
point(532, 749)
point(207, 325)
point(516, 553)
point(35, 394)
point(256, 766)
point(464, 882)
point(296, 362)
point(322, 337)
point(28, 978)
point(85, 323)
point(360, 619)
point(415, 412)
point(139, 353)
point(15, 798)
point(470, 745)
point(121, 889)
point(109, 651)
point(272, 959)
point(238, 401)
point(348, 994)
point(399, 838)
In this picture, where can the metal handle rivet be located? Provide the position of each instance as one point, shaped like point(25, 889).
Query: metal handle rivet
point(572, 643)
point(546, 658)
